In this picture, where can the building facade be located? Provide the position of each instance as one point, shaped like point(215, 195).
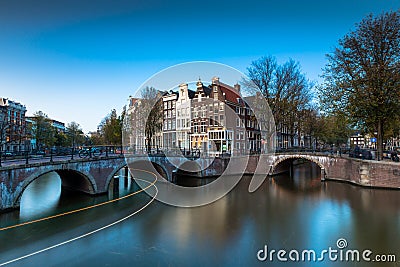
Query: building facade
point(12, 126)
point(169, 121)
point(184, 117)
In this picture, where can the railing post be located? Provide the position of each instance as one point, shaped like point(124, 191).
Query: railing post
point(51, 155)
point(26, 157)
point(72, 153)
point(107, 147)
point(1, 154)
point(122, 152)
point(90, 152)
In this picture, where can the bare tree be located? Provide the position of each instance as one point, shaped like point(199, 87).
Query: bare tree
point(151, 104)
point(285, 87)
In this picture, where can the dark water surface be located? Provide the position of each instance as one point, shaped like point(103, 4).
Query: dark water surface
point(284, 213)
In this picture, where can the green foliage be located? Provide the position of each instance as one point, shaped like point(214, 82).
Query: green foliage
point(110, 129)
point(42, 130)
point(74, 134)
point(362, 77)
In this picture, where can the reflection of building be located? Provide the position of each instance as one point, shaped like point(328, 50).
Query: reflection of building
point(12, 125)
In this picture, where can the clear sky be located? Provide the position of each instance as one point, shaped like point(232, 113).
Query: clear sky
point(77, 60)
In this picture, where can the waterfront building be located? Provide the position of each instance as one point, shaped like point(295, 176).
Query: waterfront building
point(169, 120)
point(222, 122)
point(137, 136)
point(183, 117)
point(12, 125)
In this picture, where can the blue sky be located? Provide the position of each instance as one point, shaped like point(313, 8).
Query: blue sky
point(76, 60)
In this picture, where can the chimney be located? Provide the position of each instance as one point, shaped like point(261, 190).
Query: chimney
point(215, 80)
point(237, 87)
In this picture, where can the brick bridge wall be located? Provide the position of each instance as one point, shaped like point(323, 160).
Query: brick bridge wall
point(93, 176)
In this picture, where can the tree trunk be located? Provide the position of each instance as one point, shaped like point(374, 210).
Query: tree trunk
point(380, 140)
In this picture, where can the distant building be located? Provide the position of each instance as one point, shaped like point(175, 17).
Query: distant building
point(12, 125)
point(357, 139)
point(137, 136)
point(58, 125)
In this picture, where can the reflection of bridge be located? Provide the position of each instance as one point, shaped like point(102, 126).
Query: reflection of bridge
point(93, 175)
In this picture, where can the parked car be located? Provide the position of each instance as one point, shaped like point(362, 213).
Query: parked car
point(8, 154)
point(361, 153)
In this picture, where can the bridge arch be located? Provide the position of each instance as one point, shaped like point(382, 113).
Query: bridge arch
point(147, 164)
point(282, 158)
point(71, 179)
point(112, 174)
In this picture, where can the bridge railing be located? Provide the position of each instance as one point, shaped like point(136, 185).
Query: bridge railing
point(58, 153)
point(101, 151)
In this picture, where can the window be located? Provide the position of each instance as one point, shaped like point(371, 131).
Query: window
point(203, 127)
point(216, 120)
point(165, 105)
point(237, 110)
point(215, 89)
point(178, 125)
point(221, 106)
point(173, 104)
point(173, 125)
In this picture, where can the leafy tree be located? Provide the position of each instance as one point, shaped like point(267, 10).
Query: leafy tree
point(111, 128)
point(362, 77)
point(42, 130)
point(61, 139)
point(74, 134)
point(96, 139)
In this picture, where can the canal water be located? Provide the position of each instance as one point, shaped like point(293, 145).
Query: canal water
point(288, 213)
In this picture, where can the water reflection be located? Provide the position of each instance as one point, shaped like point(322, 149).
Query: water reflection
point(41, 196)
point(45, 197)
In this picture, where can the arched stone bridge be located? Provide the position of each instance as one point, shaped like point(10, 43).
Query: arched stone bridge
point(93, 176)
